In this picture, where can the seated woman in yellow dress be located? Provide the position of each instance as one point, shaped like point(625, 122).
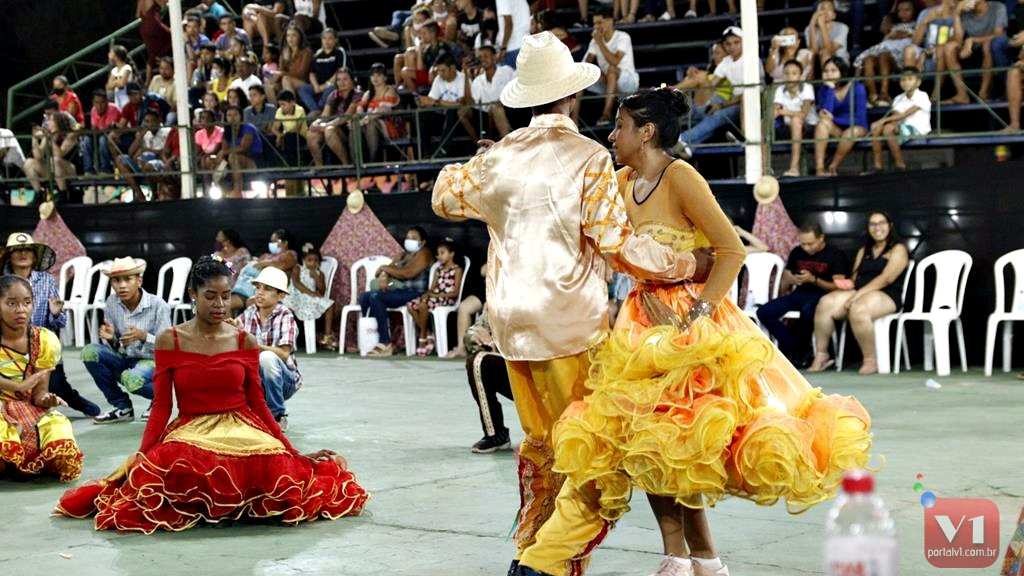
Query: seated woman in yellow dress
point(689, 400)
point(34, 438)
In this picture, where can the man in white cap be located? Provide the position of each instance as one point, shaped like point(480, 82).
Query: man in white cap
point(123, 360)
point(553, 210)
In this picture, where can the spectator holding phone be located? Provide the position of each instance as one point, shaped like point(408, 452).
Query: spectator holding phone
point(785, 47)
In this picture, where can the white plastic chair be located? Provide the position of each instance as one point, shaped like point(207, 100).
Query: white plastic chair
point(367, 266)
point(761, 285)
point(174, 292)
point(882, 340)
point(328, 265)
point(1001, 314)
point(99, 299)
point(440, 314)
point(952, 267)
point(75, 302)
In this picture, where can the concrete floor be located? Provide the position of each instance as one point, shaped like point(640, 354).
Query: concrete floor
point(406, 427)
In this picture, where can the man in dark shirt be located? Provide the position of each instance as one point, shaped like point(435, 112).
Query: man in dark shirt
point(811, 271)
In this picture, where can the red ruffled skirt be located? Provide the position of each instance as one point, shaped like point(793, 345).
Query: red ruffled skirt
point(213, 468)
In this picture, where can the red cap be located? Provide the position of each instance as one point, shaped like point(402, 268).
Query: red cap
point(858, 482)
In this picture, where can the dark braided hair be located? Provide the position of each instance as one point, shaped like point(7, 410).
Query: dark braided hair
point(206, 269)
point(663, 107)
point(8, 281)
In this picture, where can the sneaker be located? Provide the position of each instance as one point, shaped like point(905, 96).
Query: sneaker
point(699, 570)
point(512, 568)
point(665, 17)
point(115, 415)
point(282, 422)
point(681, 150)
point(145, 413)
point(671, 566)
point(690, 14)
point(489, 444)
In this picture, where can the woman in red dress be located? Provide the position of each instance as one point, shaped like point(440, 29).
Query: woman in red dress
point(223, 457)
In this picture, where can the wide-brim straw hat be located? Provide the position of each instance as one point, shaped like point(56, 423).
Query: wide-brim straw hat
point(274, 278)
point(126, 266)
point(766, 190)
point(546, 73)
point(45, 256)
point(355, 201)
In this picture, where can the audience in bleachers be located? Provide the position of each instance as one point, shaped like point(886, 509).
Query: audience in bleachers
point(259, 112)
point(976, 23)
point(612, 50)
point(228, 31)
point(155, 34)
point(267, 20)
point(414, 67)
point(889, 55)
point(122, 72)
point(52, 145)
point(795, 113)
point(242, 148)
point(842, 113)
point(245, 75)
point(377, 128)
point(485, 79)
point(712, 8)
point(146, 153)
point(513, 24)
point(826, 36)
point(66, 98)
point(785, 46)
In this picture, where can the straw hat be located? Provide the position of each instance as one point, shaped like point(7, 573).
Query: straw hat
point(546, 72)
point(45, 256)
point(766, 190)
point(46, 210)
point(355, 201)
point(274, 278)
point(126, 266)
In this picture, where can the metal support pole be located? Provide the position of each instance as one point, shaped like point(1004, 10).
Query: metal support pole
point(751, 91)
point(181, 91)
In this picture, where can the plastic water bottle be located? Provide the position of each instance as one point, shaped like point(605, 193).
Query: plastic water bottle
point(860, 535)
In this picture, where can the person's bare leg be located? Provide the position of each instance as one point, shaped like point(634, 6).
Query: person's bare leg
point(796, 133)
point(398, 65)
point(940, 67)
point(831, 308)
point(822, 132)
point(670, 523)
point(952, 50)
point(869, 71)
point(885, 68)
point(986, 74)
point(1013, 98)
point(33, 170)
point(697, 533)
point(892, 132)
point(876, 145)
point(62, 170)
point(466, 119)
point(329, 322)
point(583, 10)
point(315, 142)
point(336, 141)
point(862, 320)
point(850, 136)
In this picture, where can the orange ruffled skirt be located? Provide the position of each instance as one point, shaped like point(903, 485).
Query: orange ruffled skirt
point(705, 414)
point(213, 468)
point(35, 440)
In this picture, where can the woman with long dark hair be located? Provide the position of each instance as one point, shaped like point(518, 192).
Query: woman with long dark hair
point(842, 113)
point(223, 457)
point(690, 401)
point(877, 290)
point(376, 126)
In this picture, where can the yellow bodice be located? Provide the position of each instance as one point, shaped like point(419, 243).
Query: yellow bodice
point(678, 239)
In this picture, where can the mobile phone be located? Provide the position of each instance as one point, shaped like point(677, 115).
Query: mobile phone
point(786, 40)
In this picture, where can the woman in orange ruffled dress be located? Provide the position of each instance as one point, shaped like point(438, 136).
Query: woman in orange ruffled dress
point(34, 438)
point(223, 457)
point(689, 400)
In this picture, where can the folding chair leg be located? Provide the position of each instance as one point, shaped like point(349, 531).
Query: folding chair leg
point(991, 329)
point(1007, 345)
point(963, 347)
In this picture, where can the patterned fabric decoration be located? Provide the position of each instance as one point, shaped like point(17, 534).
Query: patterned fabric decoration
point(55, 233)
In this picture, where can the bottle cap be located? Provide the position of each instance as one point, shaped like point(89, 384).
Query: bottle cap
point(858, 482)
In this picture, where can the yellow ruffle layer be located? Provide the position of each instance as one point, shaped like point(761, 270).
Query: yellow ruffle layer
point(692, 415)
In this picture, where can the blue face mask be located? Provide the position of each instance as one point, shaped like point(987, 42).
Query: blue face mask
point(274, 248)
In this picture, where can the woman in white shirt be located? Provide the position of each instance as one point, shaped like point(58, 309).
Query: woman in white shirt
point(121, 73)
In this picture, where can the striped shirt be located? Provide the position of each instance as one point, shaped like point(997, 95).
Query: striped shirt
point(278, 330)
point(419, 283)
point(44, 287)
point(152, 316)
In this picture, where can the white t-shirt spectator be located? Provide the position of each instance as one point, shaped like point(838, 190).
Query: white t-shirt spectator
point(486, 92)
point(796, 103)
point(14, 154)
point(732, 70)
point(519, 10)
point(246, 83)
point(448, 91)
point(156, 140)
point(305, 8)
point(838, 35)
point(921, 120)
point(620, 42)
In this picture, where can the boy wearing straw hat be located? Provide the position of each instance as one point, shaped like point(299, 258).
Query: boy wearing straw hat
point(123, 360)
point(29, 259)
point(275, 329)
point(546, 189)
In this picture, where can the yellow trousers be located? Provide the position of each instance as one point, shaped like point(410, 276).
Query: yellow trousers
point(558, 528)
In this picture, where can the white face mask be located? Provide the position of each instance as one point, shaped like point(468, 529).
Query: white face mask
point(411, 245)
point(274, 248)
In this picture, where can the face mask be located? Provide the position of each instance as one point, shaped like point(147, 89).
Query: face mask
point(58, 91)
point(411, 245)
point(274, 248)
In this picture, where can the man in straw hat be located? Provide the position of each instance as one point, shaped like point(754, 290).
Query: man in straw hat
point(547, 190)
point(29, 259)
point(123, 360)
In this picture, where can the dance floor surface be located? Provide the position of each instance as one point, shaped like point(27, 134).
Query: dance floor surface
point(406, 425)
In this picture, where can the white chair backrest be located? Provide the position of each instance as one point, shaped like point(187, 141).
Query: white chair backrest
point(175, 290)
point(437, 265)
point(368, 266)
point(906, 281)
point(102, 283)
point(764, 273)
point(1015, 259)
point(951, 270)
point(82, 277)
point(329, 266)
